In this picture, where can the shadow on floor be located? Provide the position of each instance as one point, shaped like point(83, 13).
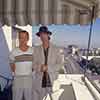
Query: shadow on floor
point(68, 93)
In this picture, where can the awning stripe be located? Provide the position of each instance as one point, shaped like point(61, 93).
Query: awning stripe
point(34, 12)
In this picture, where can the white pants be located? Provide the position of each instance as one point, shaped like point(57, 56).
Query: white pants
point(42, 94)
point(22, 87)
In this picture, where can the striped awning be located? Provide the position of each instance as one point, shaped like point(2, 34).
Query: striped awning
point(35, 12)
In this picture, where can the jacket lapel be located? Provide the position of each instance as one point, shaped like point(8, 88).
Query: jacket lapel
point(41, 55)
point(50, 53)
point(42, 59)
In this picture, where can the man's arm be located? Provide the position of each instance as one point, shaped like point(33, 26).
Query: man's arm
point(59, 62)
point(12, 62)
point(12, 66)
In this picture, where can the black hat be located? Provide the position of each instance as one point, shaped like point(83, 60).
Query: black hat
point(43, 29)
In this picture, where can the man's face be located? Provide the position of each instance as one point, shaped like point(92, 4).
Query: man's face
point(44, 37)
point(23, 38)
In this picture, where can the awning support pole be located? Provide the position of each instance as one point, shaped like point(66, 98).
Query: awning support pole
point(90, 36)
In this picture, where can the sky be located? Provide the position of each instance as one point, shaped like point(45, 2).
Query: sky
point(73, 34)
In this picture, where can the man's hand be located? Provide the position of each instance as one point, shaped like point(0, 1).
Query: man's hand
point(44, 68)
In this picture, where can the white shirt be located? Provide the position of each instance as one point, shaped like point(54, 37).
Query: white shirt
point(22, 63)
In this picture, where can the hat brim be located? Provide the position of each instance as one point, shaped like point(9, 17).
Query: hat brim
point(48, 32)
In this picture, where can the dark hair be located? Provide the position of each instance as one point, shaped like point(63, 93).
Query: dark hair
point(24, 32)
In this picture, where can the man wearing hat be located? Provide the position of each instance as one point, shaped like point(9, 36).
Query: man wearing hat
point(47, 62)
